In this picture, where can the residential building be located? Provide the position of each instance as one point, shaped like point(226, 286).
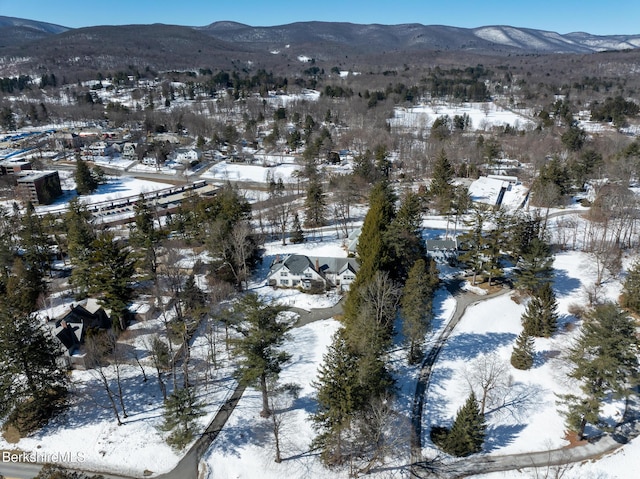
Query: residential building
point(442, 251)
point(308, 272)
point(72, 328)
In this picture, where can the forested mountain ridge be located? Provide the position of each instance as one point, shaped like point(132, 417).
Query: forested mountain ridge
point(227, 44)
point(371, 38)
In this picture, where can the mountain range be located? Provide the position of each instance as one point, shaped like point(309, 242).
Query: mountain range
point(27, 44)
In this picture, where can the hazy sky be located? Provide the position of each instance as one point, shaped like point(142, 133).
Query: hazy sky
point(563, 16)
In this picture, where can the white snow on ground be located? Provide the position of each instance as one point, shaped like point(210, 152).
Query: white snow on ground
point(486, 190)
point(488, 327)
point(482, 115)
point(115, 188)
point(244, 448)
point(297, 299)
point(246, 443)
point(243, 172)
point(491, 327)
point(89, 427)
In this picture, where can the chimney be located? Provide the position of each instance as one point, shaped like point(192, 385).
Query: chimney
point(317, 265)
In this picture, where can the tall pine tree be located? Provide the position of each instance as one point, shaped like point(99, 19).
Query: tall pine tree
point(523, 352)
point(404, 237)
point(605, 361)
point(466, 436)
point(535, 267)
point(32, 383)
point(339, 396)
point(541, 317)
point(416, 305)
point(262, 333)
point(372, 250)
point(111, 272)
point(297, 235)
point(80, 238)
point(181, 414)
point(441, 189)
point(315, 203)
point(85, 182)
point(631, 289)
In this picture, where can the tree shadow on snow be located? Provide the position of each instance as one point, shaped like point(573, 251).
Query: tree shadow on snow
point(469, 345)
point(565, 285)
point(501, 436)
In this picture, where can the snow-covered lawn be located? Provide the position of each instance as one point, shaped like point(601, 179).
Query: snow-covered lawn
point(243, 172)
point(483, 116)
point(88, 429)
point(115, 188)
point(245, 447)
point(490, 328)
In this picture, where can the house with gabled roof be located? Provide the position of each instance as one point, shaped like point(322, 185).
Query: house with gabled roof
point(309, 272)
point(442, 250)
point(72, 328)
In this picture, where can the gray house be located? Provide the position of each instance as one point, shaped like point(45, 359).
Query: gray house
point(307, 272)
point(442, 251)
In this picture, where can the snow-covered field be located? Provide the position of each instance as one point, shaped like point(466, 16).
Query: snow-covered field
point(242, 172)
point(483, 116)
point(115, 188)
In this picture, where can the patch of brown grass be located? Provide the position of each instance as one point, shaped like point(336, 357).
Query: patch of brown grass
point(574, 440)
point(11, 434)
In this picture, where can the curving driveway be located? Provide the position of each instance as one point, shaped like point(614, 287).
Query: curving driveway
point(482, 464)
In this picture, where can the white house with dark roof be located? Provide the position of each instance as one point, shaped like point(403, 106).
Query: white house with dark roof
point(299, 271)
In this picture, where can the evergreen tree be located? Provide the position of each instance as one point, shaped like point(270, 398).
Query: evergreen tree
point(262, 333)
point(7, 118)
point(441, 188)
point(605, 361)
point(404, 237)
point(631, 289)
point(111, 272)
point(315, 204)
point(25, 282)
point(338, 397)
point(474, 242)
point(524, 228)
point(297, 235)
point(181, 414)
point(85, 182)
point(535, 267)
point(372, 249)
point(416, 305)
point(523, 352)
point(466, 436)
point(495, 241)
point(23, 287)
point(80, 238)
point(145, 237)
point(193, 298)
point(541, 317)
point(32, 384)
